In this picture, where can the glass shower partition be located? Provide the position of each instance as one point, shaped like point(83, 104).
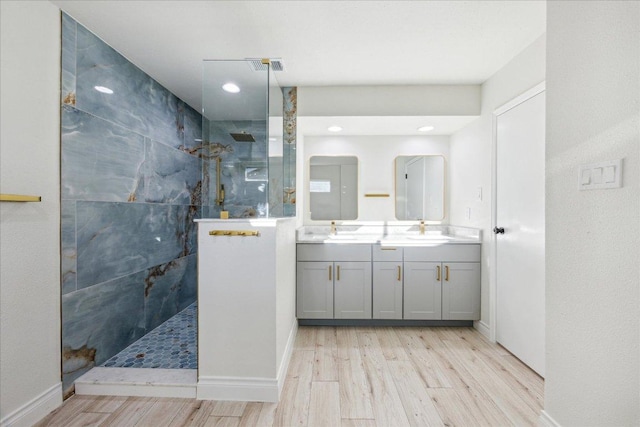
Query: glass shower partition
point(242, 143)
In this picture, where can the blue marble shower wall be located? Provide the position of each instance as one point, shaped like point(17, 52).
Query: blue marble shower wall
point(246, 168)
point(131, 186)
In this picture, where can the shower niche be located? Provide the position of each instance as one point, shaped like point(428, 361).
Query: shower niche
point(248, 143)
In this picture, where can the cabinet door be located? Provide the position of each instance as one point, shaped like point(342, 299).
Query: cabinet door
point(352, 290)
point(387, 290)
point(422, 290)
point(315, 290)
point(461, 291)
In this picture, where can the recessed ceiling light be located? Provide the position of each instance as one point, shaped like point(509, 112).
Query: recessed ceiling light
point(103, 89)
point(334, 128)
point(425, 128)
point(231, 87)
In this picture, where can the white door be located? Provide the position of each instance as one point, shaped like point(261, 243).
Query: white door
point(520, 171)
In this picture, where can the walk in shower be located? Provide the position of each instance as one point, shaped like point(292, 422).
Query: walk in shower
point(128, 232)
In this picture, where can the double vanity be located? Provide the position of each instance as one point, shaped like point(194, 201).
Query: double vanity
point(387, 275)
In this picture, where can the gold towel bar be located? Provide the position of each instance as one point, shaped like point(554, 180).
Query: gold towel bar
point(376, 195)
point(241, 233)
point(19, 198)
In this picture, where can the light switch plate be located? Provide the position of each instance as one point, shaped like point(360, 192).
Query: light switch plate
point(600, 176)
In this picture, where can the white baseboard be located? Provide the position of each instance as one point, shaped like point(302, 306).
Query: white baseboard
point(238, 389)
point(483, 328)
point(545, 420)
point(35, 410)
point(286, 356)
point(249, 389)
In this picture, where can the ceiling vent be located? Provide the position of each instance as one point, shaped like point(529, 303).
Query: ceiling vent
point(257, 64)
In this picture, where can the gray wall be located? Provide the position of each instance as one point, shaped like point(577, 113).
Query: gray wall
point(130, 189)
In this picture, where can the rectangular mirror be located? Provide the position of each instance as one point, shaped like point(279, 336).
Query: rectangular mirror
point(419, 187)
point(333, 187)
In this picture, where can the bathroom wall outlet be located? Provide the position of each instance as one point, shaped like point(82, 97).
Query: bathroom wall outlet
point(600, 176)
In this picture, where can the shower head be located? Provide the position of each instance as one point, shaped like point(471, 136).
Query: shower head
point(242, 137)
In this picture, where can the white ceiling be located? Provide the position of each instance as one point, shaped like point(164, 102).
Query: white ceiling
point(322, 43)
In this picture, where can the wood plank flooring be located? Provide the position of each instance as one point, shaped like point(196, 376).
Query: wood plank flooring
point(355, 377)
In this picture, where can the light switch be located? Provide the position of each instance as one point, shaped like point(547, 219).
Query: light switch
point(602, 175)
point(609, 174)
point(596, 174)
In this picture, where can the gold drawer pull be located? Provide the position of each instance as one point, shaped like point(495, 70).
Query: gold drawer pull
point(438, 273)
point(399, 273)
point(446, 273)
point(338, 272)
point(388, 249)
point(330, 267)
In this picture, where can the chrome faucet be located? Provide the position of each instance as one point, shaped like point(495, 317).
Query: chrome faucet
point(333, 228)
point(421, 227)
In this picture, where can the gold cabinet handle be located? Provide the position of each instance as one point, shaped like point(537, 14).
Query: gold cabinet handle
point(330, 267)
point(446, 273)
point(338, 272)
point(437, 273)
point(399, 273)
point(388, 249)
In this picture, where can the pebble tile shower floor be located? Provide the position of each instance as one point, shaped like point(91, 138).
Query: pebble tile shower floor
point(172, 345)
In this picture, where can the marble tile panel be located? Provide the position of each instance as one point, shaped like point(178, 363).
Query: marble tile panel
point(68, 60)
point(68, 245)
point(162, 286)
point(100, 161)
point(138, 102)
point(117, 239)
point(192, 124)
point(188, 286)
point(171, 176)
point(100, 321)
point(276, 192)
point(290, 114)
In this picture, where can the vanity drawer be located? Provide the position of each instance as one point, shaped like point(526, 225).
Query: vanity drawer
point(333, 252)
point(444, 253)
point(386, 253)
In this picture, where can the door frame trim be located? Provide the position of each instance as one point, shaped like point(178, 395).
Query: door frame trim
point(493, 256)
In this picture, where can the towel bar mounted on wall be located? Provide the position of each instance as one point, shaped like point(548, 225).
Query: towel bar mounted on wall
point(233, 233)
point(19, 198)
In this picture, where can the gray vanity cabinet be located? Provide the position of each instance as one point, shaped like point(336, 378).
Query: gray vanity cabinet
point(387, 282)
point(334, 281)
point(315, 290)
point(461, 291)
point(422, 290)
point(442, 282)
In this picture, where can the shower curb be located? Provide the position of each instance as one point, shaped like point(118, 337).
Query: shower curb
point(141, 382)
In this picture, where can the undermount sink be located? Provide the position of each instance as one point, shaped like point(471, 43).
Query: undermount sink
point(351, 237)
point(429, 237)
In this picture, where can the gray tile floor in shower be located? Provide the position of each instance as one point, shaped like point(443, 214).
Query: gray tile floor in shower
point(172, 345)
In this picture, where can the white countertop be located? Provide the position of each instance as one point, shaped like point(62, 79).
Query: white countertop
point(405, 236)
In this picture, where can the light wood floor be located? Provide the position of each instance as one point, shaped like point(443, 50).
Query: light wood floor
point(355, 377)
